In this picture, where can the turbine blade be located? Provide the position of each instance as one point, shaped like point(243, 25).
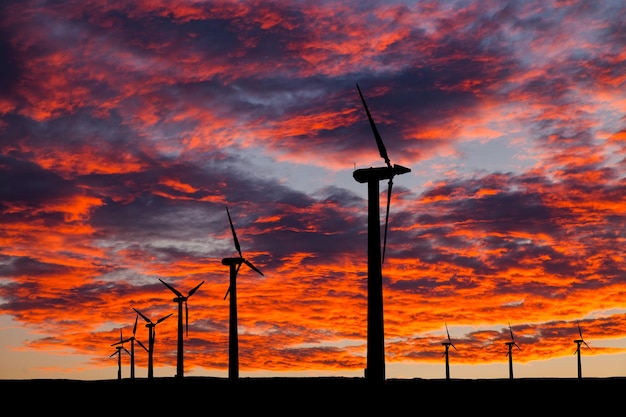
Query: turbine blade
point(586, 344)
point(580, 332)
point(511, 331)
point(142, 316)
point(453, 346)
point(135, 326)
point(195, 289)
point(163, 318)
point(174, 290)
point(234, 233)
point(387, 217)
point(141, 344)
point(227, 291)
point(186, 319)
point(253, 267)
point(381, 146)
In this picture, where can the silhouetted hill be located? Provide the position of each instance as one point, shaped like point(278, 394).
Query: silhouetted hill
point(312, 396)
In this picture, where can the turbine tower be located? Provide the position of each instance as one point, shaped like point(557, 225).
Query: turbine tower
point(510, 352)
point(375, 371)
point(132, 340)
point(577, 352)
point(233, 337)
point(447, 344)
point(151, 337)
point(118, 352)
point(180, 300)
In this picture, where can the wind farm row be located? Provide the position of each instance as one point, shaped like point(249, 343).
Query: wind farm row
point(375, 368)
point(233, 364)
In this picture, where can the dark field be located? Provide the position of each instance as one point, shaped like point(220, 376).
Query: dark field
point(314, 396)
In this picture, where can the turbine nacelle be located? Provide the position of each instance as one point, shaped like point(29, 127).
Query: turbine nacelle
point(232, 261)
point(376, 174)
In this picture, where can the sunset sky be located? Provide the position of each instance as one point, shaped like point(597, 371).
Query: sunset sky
point(127, 129)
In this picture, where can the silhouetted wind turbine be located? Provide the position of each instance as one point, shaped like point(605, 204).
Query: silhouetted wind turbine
point(132, 340)
point(233, 338)
point(118, 352)
point(375, 370)
point(180, 299)
point(151, 337)
point(577, 352)
point(510, 352)
point(447, 344)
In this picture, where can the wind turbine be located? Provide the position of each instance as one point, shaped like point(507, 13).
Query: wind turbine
point(447, 344)
point(118, 352)
point(233, 341)
point(375, 370)
point(510, 352)
point(181, 299)
point(132, 340)
point(577, 352)
point(151, 336)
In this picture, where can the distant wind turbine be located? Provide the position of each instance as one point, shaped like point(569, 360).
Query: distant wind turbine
point(577, 352)
point(233, 338)
point(510, 352)
point(447, 344)
point(151, 338)
point(375, 371)
point(132, 340)
point(180, 299)
point(118, 352)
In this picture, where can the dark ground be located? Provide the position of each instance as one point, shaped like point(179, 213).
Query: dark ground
point(315, 396)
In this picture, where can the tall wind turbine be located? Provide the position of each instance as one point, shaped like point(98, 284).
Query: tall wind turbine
point(181, 299)
point(447, 344)
point(118, 352)
point(577, 352)
point(132, 340)
point(233, 338)
point(375, 370)
point(510, 352)
point(151, 337)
